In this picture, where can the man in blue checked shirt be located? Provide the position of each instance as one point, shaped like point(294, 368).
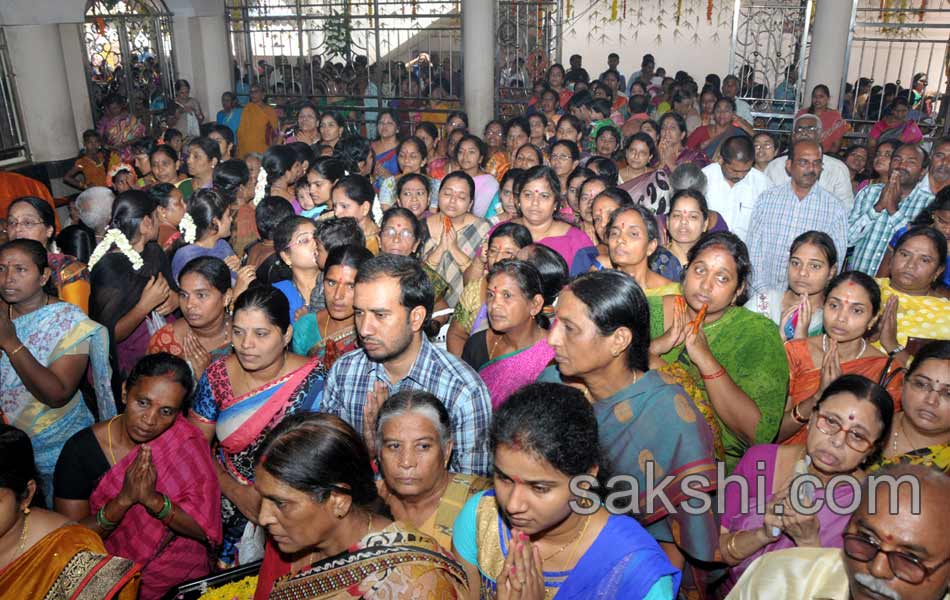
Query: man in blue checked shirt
point(392, 301)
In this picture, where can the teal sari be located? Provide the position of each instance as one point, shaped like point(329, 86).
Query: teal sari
point(49, 333)
point(750, 348)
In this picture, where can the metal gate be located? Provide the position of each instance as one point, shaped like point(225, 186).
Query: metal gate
point(770, 40)
point(129, 53)
point(528, 36)
point(12, 141)
point(322, 49)
point(895, 48)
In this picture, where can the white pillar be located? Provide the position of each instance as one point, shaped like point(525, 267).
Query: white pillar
point(478, 61)
point(203, 58)
point(70, 36)
point(829, 44)
point(42, 83)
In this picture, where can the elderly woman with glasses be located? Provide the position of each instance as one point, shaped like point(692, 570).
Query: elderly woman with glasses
point(849, 425)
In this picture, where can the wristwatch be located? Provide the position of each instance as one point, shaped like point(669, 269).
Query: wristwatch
point(897, 350)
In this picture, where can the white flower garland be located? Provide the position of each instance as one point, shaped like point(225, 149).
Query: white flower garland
point(114, 236)
point(260, 188)
point(188, 229)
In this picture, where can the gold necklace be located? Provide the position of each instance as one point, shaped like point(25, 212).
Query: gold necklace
point(571, 542)
point(10, 308)
point(109, 431)
point(491, 353)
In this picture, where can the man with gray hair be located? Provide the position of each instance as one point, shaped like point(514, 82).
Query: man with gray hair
point(835, 176)
point(94, 206)
point(899, 552)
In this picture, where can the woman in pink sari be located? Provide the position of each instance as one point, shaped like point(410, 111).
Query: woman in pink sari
point(144, 480)
point(240, 398)
point(514, 350)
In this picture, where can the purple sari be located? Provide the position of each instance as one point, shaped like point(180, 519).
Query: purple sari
point(505, 374)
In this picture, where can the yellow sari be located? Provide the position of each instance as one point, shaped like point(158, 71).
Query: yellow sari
point(258, 129)
point(925, 317)
point(70, 563)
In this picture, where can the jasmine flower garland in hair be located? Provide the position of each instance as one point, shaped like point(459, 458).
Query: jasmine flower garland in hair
point(188, 229)
point(114, 236)
point(260, 190)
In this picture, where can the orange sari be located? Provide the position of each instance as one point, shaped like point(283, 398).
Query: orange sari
point(70, 563)
point(258, 129)
point(805, 378)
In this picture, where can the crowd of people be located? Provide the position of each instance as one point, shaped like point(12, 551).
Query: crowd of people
point(421, 360)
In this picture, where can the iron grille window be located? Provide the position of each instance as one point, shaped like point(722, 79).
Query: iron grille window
point(12, 143)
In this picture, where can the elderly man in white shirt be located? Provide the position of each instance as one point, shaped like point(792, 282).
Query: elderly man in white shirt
point(732, 185)
point(835, 176)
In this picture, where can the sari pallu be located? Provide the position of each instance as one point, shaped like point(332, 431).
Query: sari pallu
point(49, 333)
point(397, 562)
point(623, 562)
point(185, 473)
point(164, 340)
point(241, 424)
point(737, 518)
point(469, 239)
point(805, 378)
point(308, 341)
point(505, 374)
point(926, 317)
point(651, 190)
point(388, 160)
point(71, 279)
point(69, 563)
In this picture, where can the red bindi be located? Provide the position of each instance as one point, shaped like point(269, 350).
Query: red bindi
point(517, 479)
point(851, 417)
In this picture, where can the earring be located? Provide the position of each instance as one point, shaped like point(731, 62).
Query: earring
point(585, 502)
point(338, 515)
point(26, 510)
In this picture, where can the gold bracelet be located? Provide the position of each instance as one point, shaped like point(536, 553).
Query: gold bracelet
point(731, 546)
point(797, 415)
point(15, 350)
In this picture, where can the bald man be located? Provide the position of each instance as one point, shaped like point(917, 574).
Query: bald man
point(886, 556)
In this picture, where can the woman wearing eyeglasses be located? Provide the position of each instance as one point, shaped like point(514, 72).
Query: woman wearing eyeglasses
point(850, 423)
point(921, 431)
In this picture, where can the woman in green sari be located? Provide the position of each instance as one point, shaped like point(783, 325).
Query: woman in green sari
point(734, 355)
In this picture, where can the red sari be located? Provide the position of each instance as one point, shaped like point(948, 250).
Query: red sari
point(186, 475)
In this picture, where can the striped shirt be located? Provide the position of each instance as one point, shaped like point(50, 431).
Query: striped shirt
point(453, 382)
point(779, 217)
point(869, 231)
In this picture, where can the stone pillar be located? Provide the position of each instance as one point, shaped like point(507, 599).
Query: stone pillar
point(42, 83)
point(203, 58)
point(478, 61)
point(829, 44)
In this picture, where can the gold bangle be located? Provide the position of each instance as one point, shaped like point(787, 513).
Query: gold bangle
point(797, 415)
point(15, 350)
point(731, 546)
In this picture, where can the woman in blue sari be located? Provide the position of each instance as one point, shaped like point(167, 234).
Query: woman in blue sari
point(601, 338)
point(532, 535)
point(46, 346)
point(240, 398)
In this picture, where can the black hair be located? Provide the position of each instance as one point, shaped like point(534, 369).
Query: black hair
point(519, 122)
point(405, 401)
point(161, 193)
point(225, 132)
point(601, 179)
point(638, 103)
point(42, 207)
point(612, 130)
point(479, 144)
point(605, 168)
point(546, 173)
point(429, 128)
point(404, 179)
point(469, 182)
point(580, 99)
point(580, 171)
point(863, 388)
point(696, 195)
point(820, 239)
point(339, 231)
point(676, 118)
point(329, 168)
point(357, 188)
point(419, 231)
point(204, 206)
point(537, 152)
point(284, 231)
point(229, 176)
point(614, 300)
point(77, 241)
point(418, 143)
point(351, 150)
point(731, 243)
point(513, 174)
point(337, 118)
point(163, 364)
point(862, 279)
point(210, 147)
point(554, 422)
point(270, 301)
point(143, 145)
point(212, 269)
point(538, 115)
point(553, 270)
point(730, 101)
point(349, 255)
point(573, 121)
point(164, 149)
point(738, 148)
point(646, 139)
point(934, 350)
point(128, 210)
point(415, 289)
point(935, 237)
point(18, 465)
point(90, 134)
point(304, 152)
point(276, 161)
point(38, 256)
point(181, 84)
point(270, 211)
point(460, 114)
point(528, 279)
point(940, 202)
point(649, 219)
point(571, 148)
point(171, 133)
point(519, 234)
point(319, 453)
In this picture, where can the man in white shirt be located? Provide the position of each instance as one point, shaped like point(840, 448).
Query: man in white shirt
point(732, 185)
point(835, 176)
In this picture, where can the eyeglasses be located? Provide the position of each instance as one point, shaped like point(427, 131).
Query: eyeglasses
point(924, 386)
point(904, 566)
point(393, 233)
point(831, 426)
point(24, 224)
point(302, 240)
